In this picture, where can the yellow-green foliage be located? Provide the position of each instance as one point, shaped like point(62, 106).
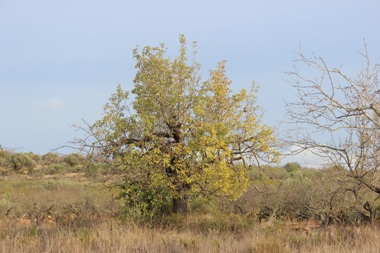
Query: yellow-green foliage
point(183, 136)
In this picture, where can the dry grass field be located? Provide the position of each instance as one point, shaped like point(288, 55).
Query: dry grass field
point(111, 236)
point(74, 214)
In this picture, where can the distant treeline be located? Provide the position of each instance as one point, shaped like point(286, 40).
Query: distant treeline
point(51, 163)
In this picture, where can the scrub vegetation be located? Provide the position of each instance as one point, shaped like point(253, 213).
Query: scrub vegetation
point(80, 209)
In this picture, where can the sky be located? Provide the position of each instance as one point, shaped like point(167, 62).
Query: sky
point(61, 60)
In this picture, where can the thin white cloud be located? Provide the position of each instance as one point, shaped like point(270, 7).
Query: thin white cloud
point(52, 104)
point(56, 104)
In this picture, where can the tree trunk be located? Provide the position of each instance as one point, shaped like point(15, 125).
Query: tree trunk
point(372, 212)
point(180, 205)
point(179, 202)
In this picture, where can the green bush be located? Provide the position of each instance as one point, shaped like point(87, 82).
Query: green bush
point(50, 158)
point(4, 162)
point(5, 154)
point(73, 159)
point(292, 167)
point(144, 204)
point(22, 160)
point(56, 169)
point(35, 157)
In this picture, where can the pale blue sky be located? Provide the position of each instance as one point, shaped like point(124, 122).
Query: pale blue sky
point(61, 60)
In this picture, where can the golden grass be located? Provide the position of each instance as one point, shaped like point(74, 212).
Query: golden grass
point(112, 236)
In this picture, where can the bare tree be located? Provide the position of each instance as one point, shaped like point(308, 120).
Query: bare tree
point(338, 118)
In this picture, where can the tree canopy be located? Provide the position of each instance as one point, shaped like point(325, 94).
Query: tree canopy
point(178, 136)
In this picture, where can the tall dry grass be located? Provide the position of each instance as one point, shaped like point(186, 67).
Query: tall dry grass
point(112, 236)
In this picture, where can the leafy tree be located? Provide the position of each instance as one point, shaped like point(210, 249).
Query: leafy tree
point(344, 112)
point(181, 137)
